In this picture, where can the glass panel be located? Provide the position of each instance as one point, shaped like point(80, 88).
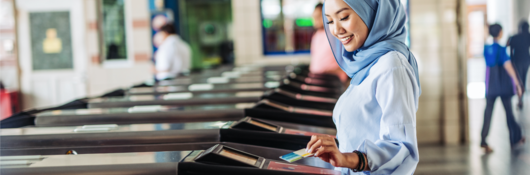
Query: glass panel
point(113, 30)
point(287, 25)
point(406, 5)
point(238, 156)
point(206, 26)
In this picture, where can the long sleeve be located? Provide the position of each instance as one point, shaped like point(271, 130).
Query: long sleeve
point(396, 150)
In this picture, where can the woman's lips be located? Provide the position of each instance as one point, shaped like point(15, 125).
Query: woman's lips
point(346, 40)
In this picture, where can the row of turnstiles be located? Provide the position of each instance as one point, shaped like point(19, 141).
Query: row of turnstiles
point(228, 120)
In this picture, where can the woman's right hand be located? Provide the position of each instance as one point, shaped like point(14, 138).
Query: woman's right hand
point(325, 148)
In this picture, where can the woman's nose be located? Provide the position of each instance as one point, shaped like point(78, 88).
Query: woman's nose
point(338, 29)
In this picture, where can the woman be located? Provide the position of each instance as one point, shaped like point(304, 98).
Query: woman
point(376, 115)
point(500, 81)
point(173, 56)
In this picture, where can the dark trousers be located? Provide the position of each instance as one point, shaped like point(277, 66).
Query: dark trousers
point(513, 127)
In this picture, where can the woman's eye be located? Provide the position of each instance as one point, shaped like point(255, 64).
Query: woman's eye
point(330, 22)
point(345, 18)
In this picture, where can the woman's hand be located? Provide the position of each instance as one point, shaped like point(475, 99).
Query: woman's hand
point(325, 148)
point(518, 88)
point(511, 71)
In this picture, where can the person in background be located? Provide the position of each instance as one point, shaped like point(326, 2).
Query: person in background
point(173, 55)
point(520, 53)
point(500, 81)
point(322, 59)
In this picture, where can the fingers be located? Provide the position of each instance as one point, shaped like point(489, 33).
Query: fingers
point(313, 140)
point(326, 146)
point(315, 146)
point(316, 141)
point(320, 145)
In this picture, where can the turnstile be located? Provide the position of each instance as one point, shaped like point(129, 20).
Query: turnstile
point(226, 158)
point(188, 98)
point(236, 87)
point(148, 137)
point(264, 109)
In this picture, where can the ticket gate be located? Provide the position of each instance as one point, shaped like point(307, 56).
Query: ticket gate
point(216, 80)
point(188, 113)
point(264, 109)
point(330, 82)
point(236, 87)
point(148, 137)
point(188, 98)
point(284, 93)
point(176, 99)
point(234, 72)
point(226, 158)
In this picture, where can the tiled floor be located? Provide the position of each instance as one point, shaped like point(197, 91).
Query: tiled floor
point(469, 159)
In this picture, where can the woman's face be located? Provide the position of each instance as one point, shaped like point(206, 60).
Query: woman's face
point(345, 24)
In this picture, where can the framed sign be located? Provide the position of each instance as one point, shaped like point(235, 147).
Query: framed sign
point(51, 43)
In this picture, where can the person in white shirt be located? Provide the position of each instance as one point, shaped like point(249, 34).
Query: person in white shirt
point(173, 55)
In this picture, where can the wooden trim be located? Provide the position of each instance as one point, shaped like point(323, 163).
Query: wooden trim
point(472, 8)
point(140, 23)
point(141, 57)
point(95, 59)
point(92, 26)
point(8, 61)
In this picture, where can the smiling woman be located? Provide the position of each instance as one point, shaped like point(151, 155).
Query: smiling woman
point(346, 25)
point(376, 115)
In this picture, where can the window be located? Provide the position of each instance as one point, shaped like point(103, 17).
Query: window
point(287, 25)
point(113, 30)
point(406, 6)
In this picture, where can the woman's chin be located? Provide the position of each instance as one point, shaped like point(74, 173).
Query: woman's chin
point(349, 48)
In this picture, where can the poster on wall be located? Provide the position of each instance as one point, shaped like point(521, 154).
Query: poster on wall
point(51, 43)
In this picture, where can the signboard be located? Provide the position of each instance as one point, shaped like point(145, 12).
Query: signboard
point(51, 43)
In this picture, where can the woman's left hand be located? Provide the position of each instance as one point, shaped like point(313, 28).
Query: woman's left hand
point(325, 148)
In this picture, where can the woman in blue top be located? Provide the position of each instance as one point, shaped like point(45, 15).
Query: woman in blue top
point(501, 81)
point(376, 115)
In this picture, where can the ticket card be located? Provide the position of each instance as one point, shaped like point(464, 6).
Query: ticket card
point(294, 156)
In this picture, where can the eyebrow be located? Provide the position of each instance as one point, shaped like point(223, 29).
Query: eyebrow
point(339, 11)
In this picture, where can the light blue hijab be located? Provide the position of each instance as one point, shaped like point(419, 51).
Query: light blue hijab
point(386, 21)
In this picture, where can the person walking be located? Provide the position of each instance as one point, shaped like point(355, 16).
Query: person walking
point(501, 81)
point(520, 54)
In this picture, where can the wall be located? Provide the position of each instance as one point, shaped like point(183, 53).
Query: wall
point(103, 78)
point(521, 11)
point(502, 12)
point(9, 72)
point(436, 44)
point(247, 34)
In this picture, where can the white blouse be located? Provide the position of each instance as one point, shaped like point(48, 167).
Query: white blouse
point(378, 117)
point(172, 57)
